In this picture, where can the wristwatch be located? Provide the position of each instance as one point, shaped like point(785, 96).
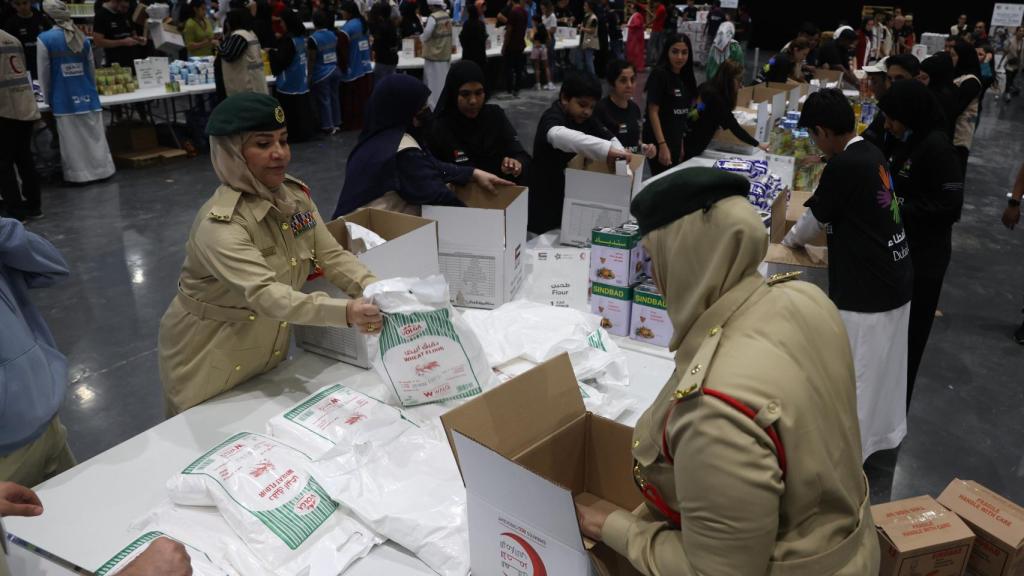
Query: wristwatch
point(1013, 202)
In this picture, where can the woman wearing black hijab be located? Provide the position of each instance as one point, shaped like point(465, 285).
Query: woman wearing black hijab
point(928, 178)
point(473, 38)
point(469, 132)
point(937, 74)
point(967, 78)
point(389, 167)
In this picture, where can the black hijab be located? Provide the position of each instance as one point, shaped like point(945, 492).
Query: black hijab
point(370, 171)
point(912, 104)
point(480, 137)
point(461, 72)
point(966, 60)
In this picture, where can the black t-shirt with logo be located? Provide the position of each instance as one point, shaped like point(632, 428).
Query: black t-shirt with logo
point(668, 91)
point(869, 257)
point(27, 31)
point(624, 123)
point(115, 26)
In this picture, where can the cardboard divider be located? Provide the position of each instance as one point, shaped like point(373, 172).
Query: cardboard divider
point(609, 462)
point(562, 456)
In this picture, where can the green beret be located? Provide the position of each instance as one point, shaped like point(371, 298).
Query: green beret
point(670, 198)
point(246, 112)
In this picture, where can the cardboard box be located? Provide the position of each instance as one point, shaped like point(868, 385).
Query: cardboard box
point(526, 449)
point(794, 210)
point(410, 250)
point(649, 321)
point(131, 137)
point(727, 141)
point(480, 246)
point(614, 304)
point(998, 524)
point(918, 537)
point(828, 76)
point(616, 255)
point(595, 196)
point(166, 37)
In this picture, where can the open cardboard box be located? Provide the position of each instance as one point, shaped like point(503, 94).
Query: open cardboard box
point(794, 210)
point(595, 196)
point(526, 449)
point(480, 245)
point(410, 250)
point(998, 524)
point(918, 536)
point(828, 76)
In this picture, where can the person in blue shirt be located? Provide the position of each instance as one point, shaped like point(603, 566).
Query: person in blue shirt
point(355, 64)
point(290, 64)
point(326, 75)
point(34, 377)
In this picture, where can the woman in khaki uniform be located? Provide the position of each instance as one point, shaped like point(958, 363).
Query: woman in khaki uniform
point(251, 248)
point(750, 457)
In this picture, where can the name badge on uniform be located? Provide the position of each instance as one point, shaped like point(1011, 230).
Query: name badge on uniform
point(623, 128)
point(364, 44)
point(302, 222)
point(461, 157)
point(70, 69)
point(678, 93)
point(330, 57)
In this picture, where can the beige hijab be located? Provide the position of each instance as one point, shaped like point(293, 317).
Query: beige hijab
point(62, 18)
point(229, 164)
point(706, 266)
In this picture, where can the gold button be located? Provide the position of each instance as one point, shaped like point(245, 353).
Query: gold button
point(696, 369)
point(238, 367)
point(293, 262)
point(636, 443)
point(277, 352)
point(680, 394)
point(284, 226)
point(773, 407)
point(252, 316)
point(714, 331)
point(284, 324)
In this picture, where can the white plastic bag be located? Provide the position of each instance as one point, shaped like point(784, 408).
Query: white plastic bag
point(266, 491)
point(202, 563)
point(411, 493)
point(362, 239)
point(537, 332)
point(425, 352)
point(337, 415)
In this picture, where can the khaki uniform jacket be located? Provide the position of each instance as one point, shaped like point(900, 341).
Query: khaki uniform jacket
point(783, 352)
point(17, 100)
point(247, 73)
point(239, 291)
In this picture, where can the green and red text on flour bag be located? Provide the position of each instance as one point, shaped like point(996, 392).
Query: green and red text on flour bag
point(425, 352)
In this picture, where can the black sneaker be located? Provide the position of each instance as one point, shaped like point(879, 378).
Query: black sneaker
point(1019, 335)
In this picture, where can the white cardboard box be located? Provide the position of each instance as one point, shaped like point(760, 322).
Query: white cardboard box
point(595, 196)
point(410, 251)
point(481, 244)
point(166, 38)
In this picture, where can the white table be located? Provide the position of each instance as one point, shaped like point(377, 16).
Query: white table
point(89, 508)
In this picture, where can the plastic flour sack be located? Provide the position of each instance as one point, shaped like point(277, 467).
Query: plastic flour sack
point(202, 564)
point(265, 491)
point(337, 415)
point(425, 352)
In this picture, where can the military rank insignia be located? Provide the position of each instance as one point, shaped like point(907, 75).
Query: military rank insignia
point(302, 222)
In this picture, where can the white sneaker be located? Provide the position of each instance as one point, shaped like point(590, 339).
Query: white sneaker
point(550, 86)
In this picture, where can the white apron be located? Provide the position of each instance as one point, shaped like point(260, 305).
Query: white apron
point(84, 153)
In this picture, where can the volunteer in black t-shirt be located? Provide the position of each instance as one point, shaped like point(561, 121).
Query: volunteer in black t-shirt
point(835, 54)
point(113, 32)
point(619, 114)
point(671, 89)
point(713, 110)
point(869, 263)
point(785, 65)
point(566, 129)
point(25, 25)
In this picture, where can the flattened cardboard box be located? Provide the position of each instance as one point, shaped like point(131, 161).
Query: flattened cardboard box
point(481, 244)
point(410, 250)
point(997, 522)
point(526, 449)
point(919, 537)
point(596, 197)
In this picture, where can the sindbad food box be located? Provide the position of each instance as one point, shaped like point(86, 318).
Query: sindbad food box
point(614, 305)
point(650, 322)
point(616, 256)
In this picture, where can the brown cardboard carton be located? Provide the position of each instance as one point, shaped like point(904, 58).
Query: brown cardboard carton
point(132, 137)
point(807, 257)
point(526, 449)
point(997, 522)
point(796, 209)
point(918, 537)
point(828, 75)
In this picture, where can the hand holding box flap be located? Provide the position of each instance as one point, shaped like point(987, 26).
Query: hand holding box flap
point(998, 523)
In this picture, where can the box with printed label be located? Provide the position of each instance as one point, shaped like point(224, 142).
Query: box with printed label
point(597, 196)
point(997, 522)
point(919, 537)
point(480, 245)
point(410, 250)
point(649, 320)
point(614, 304)
point(616, 256)
point(528, 450)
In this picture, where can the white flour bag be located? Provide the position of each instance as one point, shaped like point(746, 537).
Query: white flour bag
point(202, 563)
point(425, 352)
point(337, 415)
point(267, 493)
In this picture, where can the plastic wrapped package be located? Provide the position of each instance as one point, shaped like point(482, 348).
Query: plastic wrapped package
point(425, 352)
point(269, 495)
point(202, 563)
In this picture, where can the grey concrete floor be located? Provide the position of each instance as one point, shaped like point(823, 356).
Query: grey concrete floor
point(124, 240)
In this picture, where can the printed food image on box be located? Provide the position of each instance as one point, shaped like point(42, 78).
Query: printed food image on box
point(614, 305)
point(616, 257)
point(650, 322)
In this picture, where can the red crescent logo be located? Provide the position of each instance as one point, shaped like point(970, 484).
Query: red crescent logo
point(12, 59)
point(538, 564)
